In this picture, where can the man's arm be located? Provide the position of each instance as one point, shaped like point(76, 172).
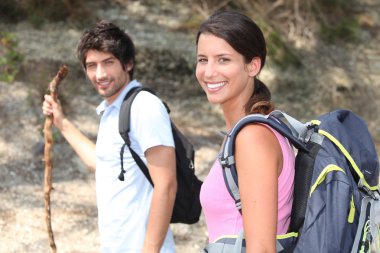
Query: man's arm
point(82, 145)
point(162, 168)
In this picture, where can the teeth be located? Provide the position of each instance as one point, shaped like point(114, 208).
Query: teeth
point(103, 83)
point(215, 85)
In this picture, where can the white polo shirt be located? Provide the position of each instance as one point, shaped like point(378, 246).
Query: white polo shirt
point(123, 206)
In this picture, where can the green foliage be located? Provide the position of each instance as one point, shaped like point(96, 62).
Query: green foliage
point(191, 24)
point(338, 22)
point(10, 57)
point(10, 11)
point(346, 30)
point(281, 54)
point(334, 5)
point(37, 12)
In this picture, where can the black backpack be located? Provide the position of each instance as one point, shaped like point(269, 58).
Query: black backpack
point(187, 207)
point(336, 206)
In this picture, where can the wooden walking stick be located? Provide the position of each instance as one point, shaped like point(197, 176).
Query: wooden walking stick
point(53, 88)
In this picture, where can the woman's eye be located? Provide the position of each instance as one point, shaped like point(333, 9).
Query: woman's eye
point(224, 60)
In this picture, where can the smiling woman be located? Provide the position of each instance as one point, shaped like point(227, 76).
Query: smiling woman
point(231, 52)
point(222, 71)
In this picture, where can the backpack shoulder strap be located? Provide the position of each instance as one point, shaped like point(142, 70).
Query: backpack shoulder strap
point(281, 122)
point(125, 112)
point(124, 128)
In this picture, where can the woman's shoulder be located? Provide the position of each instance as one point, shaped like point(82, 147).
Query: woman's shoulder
point(258, 139)
point(256, 133)
point(257, 146)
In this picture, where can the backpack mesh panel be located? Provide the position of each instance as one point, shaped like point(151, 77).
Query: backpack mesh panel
point(302, 182)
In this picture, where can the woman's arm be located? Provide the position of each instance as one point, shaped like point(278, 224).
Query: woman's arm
point(259, 163)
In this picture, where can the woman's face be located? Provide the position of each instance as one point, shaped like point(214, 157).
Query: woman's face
point(222, 71)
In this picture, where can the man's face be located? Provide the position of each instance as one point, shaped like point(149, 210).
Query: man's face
point(106, 74)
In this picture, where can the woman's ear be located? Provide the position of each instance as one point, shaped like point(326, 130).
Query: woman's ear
point(254, 66)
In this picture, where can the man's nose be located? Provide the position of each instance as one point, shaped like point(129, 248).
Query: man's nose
point(100, 72)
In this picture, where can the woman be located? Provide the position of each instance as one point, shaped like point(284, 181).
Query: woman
point(231, 52)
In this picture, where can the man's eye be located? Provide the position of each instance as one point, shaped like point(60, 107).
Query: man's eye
point(90, 66)
point(109, 62)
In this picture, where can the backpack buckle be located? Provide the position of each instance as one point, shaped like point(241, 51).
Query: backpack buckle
point(227, 161)
point(366, 190)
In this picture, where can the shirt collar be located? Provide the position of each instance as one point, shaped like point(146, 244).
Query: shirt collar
point(119, 100)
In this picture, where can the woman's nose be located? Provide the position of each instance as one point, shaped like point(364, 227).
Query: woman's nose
point(210, 70)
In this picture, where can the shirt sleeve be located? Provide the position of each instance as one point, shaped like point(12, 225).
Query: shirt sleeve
point(150, 122)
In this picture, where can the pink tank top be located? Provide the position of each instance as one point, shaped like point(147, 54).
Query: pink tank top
point(221, 214)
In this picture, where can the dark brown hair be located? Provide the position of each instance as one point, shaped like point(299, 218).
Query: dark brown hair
point(244, 36)
point(104, 36)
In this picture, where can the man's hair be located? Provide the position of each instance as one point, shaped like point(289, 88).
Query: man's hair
point(104, 36)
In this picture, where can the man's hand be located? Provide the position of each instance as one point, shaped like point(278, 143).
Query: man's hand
point(53, 109)
point(82, 145)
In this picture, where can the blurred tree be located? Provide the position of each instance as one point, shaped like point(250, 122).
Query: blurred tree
point(39, 11)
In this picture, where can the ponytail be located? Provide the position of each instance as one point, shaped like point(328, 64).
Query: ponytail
point(259, 102)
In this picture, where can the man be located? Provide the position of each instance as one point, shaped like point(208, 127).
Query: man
point(132, 215)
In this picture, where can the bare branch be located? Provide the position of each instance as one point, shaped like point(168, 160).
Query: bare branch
point(53, 88)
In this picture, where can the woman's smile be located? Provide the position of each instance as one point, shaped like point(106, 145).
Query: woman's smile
point(213, 86)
